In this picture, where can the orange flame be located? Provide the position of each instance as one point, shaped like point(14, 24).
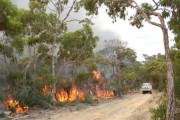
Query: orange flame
point(46, 90)
point(74, 94)
point(81, 95)
point(96, 74)
point(105, 94)
point(102, 93)
point(62, 95)
point(15, 104)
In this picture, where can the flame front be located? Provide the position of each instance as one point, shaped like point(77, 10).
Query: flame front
point(61, 95)
point(11, 103)
point(98, 91)
point(74, 94)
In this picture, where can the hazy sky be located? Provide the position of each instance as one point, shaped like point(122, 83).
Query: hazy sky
point(147, 40)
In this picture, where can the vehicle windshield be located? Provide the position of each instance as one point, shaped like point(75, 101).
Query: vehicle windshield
point(146, 84)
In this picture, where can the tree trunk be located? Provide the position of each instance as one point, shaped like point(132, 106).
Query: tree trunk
point(170, 78)
point(34, 64)
point(53, 58)
point(53, 74)
point(28, 65)
point(5, 59)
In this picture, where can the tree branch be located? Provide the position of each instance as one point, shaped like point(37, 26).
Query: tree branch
point(51, 9)
point(73, 20)
point(155, 2)
point(156, 6)
point(69, 11)
point(145, 16)
point(54, 4)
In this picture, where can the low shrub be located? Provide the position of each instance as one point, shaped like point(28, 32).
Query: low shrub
point(159, 113)
point(88, 98)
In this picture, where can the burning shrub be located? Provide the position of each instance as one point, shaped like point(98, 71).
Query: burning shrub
point(27, 92)
point(71, 95)
point(14, 106)
point(37, 92)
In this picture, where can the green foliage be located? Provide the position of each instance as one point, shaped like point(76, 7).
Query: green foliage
point(52, 78)
point(29, 92)
point(175, 18)
point(88, 98)
point(159, 113)
point(7, 9)
point(82, 77)
point(18, 43)
point(43, 49)
point(175, 55)
point(94, 66)
point(91, 6)
point(31, 95)
point(44, 73)
point(78, 45)
point(154, 71)
point(177, 88)
point(15, 77)
point(138, 18)
point(12, 43)
point(125, 54)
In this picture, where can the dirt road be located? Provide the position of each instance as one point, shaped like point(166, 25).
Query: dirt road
point(130, 107)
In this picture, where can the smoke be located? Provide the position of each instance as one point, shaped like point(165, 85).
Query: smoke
point(98, 28)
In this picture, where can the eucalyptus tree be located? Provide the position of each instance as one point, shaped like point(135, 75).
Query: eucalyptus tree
point(144, 12)
point(174, 26)
point(120, 57)
point(174, 19)
point(77, 46)
point(60, 11)
point(11, 27)
point(40, 32)
point(117, 51)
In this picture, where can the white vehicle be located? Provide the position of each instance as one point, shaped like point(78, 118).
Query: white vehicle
point(146, 88)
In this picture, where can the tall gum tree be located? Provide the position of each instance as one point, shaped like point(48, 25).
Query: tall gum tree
point(144, 12)
point(60, 10)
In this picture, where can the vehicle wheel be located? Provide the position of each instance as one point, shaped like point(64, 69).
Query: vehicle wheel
point(150, 92)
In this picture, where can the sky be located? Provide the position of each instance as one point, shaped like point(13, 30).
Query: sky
point(147, 40)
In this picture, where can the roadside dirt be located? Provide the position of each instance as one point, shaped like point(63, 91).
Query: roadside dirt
point(130, 107)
